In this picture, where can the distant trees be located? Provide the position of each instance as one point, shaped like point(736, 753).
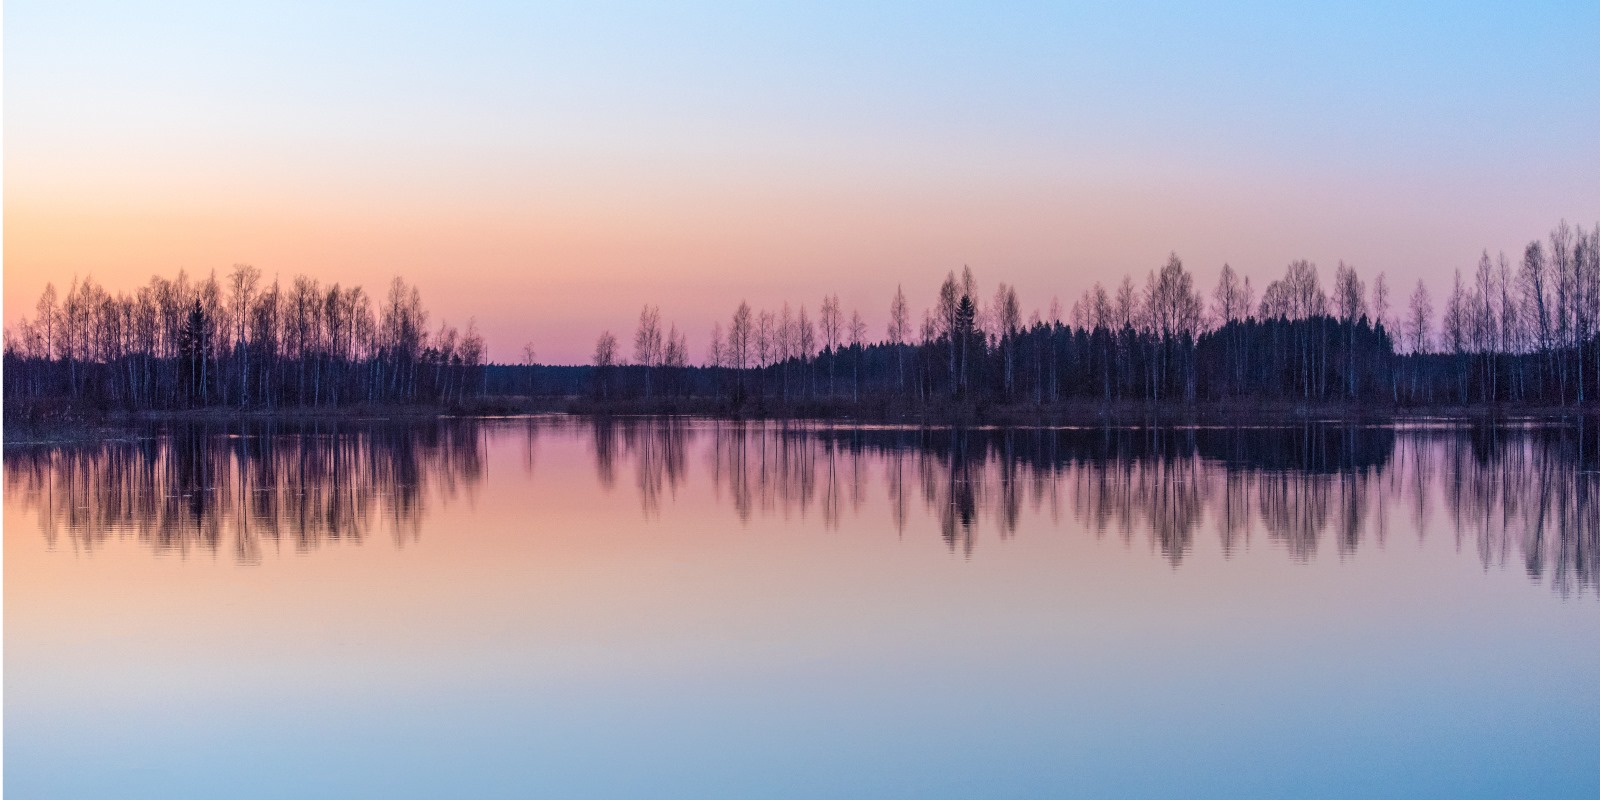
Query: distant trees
point(1524, 331)
point(1172, 319)
point(178, 343)
point(1520, 330)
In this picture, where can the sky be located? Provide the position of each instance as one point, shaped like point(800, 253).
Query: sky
point(548, 170)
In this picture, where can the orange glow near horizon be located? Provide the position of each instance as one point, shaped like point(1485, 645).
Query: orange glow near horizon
point(550, 171)
point(555, 274)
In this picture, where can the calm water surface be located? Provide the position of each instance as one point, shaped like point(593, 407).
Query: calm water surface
point(556, 608)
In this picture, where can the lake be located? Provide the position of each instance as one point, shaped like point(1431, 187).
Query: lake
point(554, 607)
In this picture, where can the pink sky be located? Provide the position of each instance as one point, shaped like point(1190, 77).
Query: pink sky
point(532, 268)
point(550, 171)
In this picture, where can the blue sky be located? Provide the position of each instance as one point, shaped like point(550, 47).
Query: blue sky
point(694, 154)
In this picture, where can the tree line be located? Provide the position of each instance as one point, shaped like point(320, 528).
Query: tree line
point(236, 342)
point(1522, 331)
point(1511, 331)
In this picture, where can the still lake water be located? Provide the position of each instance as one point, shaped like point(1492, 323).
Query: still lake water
point(559, 608)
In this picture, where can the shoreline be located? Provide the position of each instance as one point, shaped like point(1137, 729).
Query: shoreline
point(19, 432)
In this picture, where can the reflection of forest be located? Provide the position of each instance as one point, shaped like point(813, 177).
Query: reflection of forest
point(1521, 493)
point(1519, 496)
point(246, 486)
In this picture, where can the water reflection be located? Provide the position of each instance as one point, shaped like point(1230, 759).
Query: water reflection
point(1113, 479)
point(1519, 495)
point(254, 485)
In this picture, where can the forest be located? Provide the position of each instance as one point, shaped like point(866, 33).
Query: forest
point(1520, 332)
point(1515, 332)
point(180, 344)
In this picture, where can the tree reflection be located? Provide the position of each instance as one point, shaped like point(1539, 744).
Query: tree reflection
point(1514, 489)
point(1518, 496)
point(262, 484)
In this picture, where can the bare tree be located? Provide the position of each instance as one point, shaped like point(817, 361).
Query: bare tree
point(1349, 295)
point(1589, 266)
point(1305, 293)
point(1419, 323)
point(1420, 320)
point(716, 353)
point(739, 338)
point(605, 350)
point(1511, 331)
point(1586, 296)
point(1173, 312)
point(474, 351)
point(605, 357)
point(807, 338)
point(1485, 327)
point(857, 333)
point(676, 355)
point(1349, 299)
point(677, 352)
point(1126, 311)
point(788, 344)
point(766, 329)
point(1380, 301)
point(1456, 313)
point(1381, 321)
point(899, 330)
point(1566, 286)
point(529, 358)
point(1533, 280)
point(831, 329)
point(242, 282)
point(46, 320)
point(1007, 320)
point(1227, 301)
point(945, 316)
point(1298, 297)
point(1053, 360)
point(647, 344)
